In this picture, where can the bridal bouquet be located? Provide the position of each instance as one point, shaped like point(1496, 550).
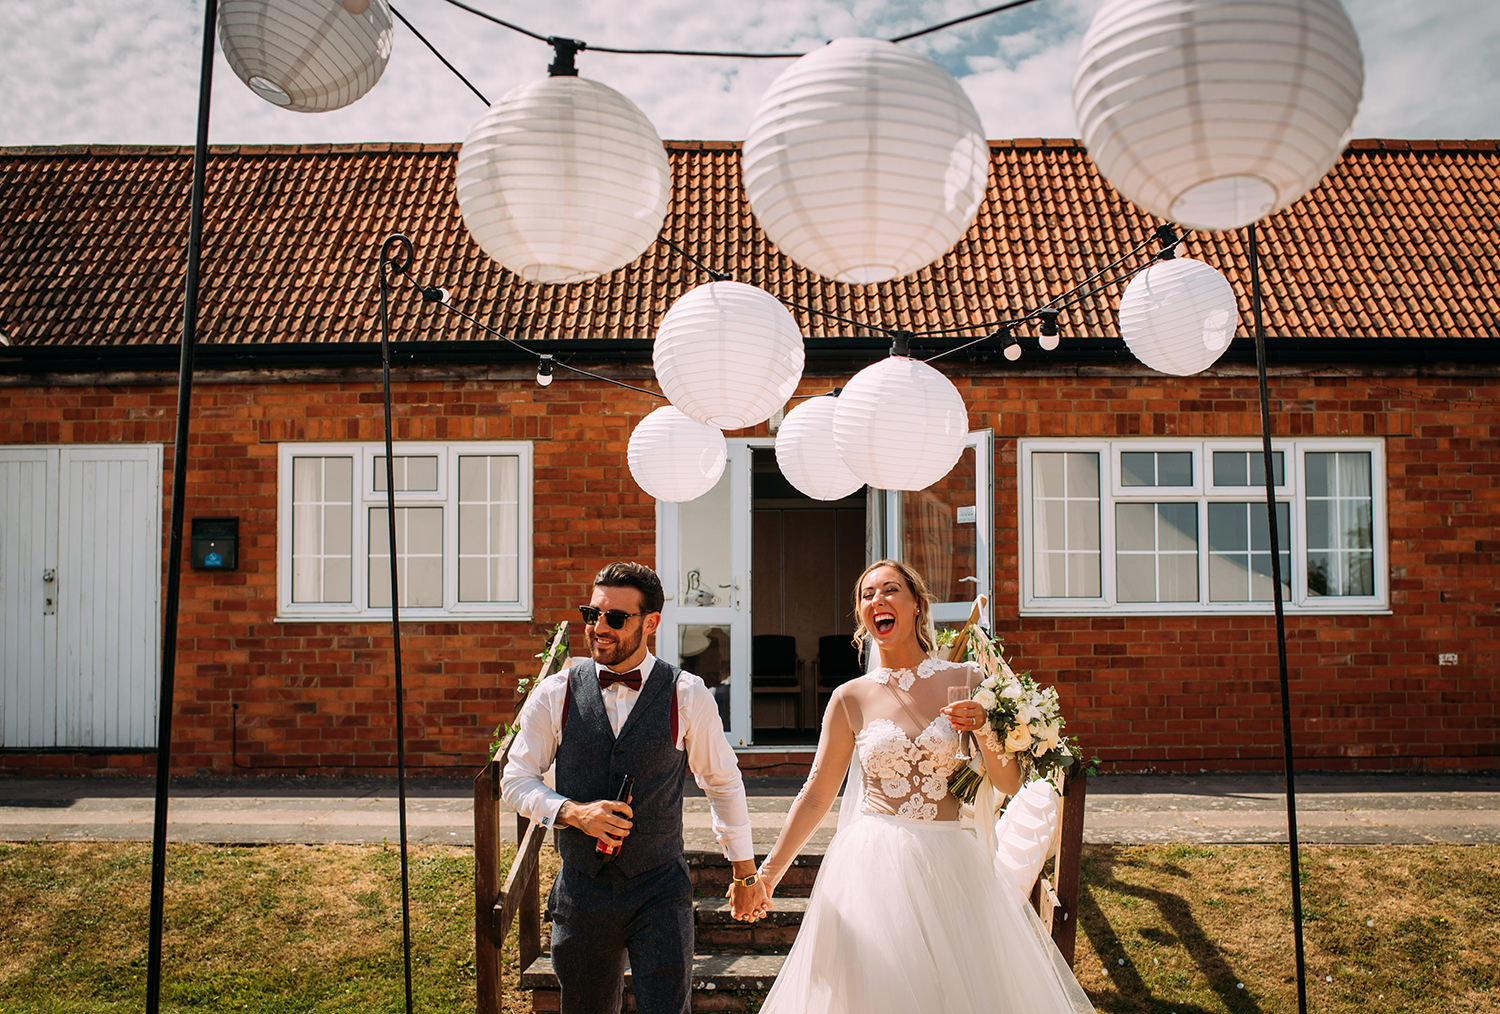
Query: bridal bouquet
point(1023, 717)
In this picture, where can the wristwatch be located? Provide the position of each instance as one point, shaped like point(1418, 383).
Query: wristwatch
point(750, 881)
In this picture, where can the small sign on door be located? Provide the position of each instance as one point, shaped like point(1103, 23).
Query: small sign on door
point(966, 515)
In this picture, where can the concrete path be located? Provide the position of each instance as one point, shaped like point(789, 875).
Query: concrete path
point(1122, 809)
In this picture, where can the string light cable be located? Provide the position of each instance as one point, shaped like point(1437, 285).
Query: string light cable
point(566, 48)
point(721, 54)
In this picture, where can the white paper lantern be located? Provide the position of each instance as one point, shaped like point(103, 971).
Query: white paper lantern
point(1216, 113)
point(306, 55)
point(564, 179)
point(674, 458)
point(900, 424)
point(728, 355)
point(865, 161)
point(807, 455)
point(1178, 316)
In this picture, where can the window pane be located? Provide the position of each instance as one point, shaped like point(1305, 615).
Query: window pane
point(1178, 575)
point(943, 551)
point(1177, 530)
point(1052, 575)
point(1135, 527)
point(414, 473)
point(703, 549)
point(488, 528)
point(1066, 539)
point(1156, 554)
point(322, 540)
point(1247, 468)
point(1137, 468)
point(1047, 475)
point(419, 565)
point(1231, 468)
point(1239, 562)
point(1083, 525)
point(1156, 468)
point(1340, 524)
point(1083, 474)
point(1136, 578)
point(1174, 468)
point(1084, 578)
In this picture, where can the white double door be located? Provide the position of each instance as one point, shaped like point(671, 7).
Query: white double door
point(704, 552)
point(80, 579)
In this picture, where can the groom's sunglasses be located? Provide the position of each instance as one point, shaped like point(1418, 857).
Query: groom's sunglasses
point(614, 617)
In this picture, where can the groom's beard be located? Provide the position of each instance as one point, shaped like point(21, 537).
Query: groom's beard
point(616, 647)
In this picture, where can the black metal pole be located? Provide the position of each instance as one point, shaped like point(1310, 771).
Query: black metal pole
point(179, 490)
point(395, 257)
point(1286, 696)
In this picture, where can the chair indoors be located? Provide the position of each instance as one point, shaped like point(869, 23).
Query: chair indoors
point(837, 662)
point(775, 682)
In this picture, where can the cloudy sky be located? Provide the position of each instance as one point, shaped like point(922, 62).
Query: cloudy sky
point(126, 71)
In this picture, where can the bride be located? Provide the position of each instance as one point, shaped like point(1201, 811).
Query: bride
point(907, 914)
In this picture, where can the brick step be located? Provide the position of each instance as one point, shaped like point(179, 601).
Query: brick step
point(711, 874)
point(721, 982)
point(716, 930)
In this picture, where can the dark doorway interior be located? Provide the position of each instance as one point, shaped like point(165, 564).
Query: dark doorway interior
point(805, 557)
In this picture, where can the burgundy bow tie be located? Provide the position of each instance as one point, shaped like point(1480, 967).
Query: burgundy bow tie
point(631, 679)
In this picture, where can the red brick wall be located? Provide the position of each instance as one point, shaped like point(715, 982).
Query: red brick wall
point(1166, 693)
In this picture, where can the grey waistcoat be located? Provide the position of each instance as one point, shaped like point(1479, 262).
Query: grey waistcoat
point(591, 761)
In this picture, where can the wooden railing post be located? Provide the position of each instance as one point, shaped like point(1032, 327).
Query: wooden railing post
point(1069, 859)
point(487, 956)
point(516, 897)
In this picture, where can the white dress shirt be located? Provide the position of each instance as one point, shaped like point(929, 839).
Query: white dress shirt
point(699, 731)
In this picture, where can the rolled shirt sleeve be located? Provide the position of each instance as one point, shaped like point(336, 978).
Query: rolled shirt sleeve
point(523, 783)
point(715, 767)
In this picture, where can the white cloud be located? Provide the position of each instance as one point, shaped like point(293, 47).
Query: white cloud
point(126, 71)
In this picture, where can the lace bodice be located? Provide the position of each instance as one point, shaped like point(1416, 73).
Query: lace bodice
point(905, 776)
point(906, 750)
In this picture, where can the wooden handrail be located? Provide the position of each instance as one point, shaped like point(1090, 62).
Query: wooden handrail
point(518, 898)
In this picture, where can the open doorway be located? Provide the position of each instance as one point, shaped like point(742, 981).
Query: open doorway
point(806, 555)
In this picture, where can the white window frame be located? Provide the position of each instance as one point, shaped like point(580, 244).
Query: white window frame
point(1291, 491)
point(365, 458)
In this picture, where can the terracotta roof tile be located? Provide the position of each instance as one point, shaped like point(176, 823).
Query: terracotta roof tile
point(1400, 240)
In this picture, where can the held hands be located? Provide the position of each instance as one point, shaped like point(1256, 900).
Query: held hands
point(606, 819)
point(748, 904)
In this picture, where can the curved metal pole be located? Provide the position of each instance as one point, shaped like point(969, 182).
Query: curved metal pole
point(395, 259)
point(179, 491)
point(1286, 696)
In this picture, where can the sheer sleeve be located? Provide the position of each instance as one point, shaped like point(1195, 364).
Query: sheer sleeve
point(830, 763)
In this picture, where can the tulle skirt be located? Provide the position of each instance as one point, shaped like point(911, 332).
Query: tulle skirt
point(907, 916)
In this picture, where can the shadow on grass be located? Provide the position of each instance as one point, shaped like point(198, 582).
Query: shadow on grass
point(1132, 993)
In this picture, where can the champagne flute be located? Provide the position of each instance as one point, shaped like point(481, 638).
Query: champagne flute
point(960, 692)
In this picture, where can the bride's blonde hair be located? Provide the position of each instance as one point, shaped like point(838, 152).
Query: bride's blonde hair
point(917, 587)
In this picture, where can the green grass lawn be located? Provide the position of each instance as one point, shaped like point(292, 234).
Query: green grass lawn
point(289, 928)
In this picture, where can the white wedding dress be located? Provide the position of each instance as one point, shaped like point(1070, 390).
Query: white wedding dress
point(907, 914)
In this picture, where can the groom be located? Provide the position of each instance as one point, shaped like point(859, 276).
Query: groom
point(626, 712)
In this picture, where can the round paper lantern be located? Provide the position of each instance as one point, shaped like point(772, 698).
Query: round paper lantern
point(865, 161)
point(674, 458)
point(1216, 113)
point(564, 179)
point(807, 455)
point(900, 424)
point(306, 55)
point(1178, 316)
point(728, 355)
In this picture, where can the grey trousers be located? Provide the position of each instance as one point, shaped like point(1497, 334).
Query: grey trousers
point(597, 921)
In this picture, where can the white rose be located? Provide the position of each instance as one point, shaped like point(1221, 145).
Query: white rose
point(1028, 713)
point(1018, 739)
point(989, 682)
point(1012, 691)
point(985, 697)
